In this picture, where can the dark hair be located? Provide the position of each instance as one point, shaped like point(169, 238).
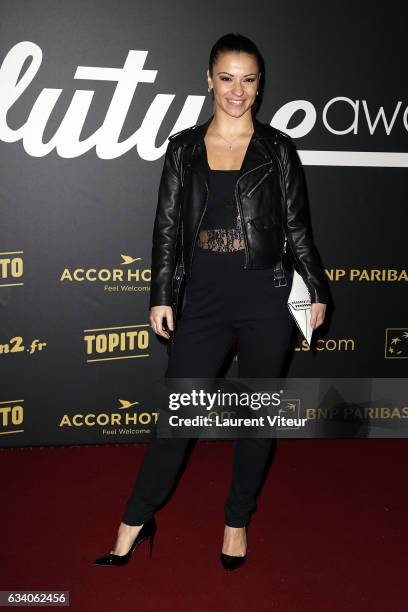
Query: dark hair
point(234, 41)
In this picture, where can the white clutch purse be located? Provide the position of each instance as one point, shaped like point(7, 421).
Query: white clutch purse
point(300, 306)
point(300, 303)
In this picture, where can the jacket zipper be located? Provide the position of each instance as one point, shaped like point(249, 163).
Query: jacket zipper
point(284, 195)
point(239, 204)
point(177, 291)
point(261, 180)
point(178, 273)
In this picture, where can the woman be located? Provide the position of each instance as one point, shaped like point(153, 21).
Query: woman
point(220, 190)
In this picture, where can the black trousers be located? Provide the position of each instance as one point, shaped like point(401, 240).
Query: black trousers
point(224, 303)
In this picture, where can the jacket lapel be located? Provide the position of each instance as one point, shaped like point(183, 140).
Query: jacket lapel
point(255, 155)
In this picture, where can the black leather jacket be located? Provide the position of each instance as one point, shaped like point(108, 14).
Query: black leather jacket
point(271, 200)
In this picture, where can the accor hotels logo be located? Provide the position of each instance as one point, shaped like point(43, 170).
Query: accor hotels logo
point(127, 276)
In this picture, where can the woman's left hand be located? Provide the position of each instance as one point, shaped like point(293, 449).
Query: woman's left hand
point(317, 314)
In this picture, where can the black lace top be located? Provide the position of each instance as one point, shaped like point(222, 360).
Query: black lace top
point(220, 228)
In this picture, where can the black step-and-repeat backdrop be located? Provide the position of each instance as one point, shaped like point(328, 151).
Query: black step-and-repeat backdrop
point(89, 93)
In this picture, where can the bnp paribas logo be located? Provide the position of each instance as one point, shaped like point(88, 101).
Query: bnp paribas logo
point(128, 275)
point(396, 343)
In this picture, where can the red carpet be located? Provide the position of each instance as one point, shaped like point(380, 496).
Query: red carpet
point(329, 535)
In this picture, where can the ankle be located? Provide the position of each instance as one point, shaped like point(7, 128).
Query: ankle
point(234, 530)
point(126, 525)
point(128, 530)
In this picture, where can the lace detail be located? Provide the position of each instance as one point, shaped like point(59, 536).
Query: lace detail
point(221, 240)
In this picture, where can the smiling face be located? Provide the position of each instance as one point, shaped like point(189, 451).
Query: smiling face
point(235, 81)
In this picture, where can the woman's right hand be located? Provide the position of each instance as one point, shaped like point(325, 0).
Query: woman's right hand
point(157, 314)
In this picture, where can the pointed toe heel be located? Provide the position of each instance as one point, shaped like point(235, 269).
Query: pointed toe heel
point(230, 562)
point(147, 532)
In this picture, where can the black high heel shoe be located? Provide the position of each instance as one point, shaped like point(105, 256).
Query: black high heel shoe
point(230, 562)
point(147, 532)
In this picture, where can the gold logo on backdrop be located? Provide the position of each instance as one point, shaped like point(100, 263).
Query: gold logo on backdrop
point(12, 416)
point(396, 343)
point(124, 278)
point(331, 345)
point(368, 275)
point(119, 342)
point(122, 421)
point(127, 259)
point(290, 408)
point(357, 414)
point(16, 345)
point(11, 268)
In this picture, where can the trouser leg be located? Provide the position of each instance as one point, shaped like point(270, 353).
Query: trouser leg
point(248, 467)
point(262, 348)
point(160, 465)
point(198, 350)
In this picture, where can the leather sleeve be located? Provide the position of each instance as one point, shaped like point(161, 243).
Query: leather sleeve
point(165, 230)
point(298, 227)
